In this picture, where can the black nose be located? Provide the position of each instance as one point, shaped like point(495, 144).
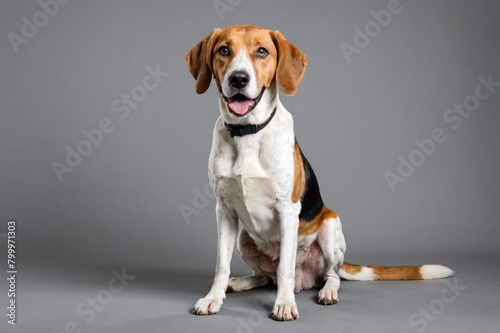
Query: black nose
point(239, 79)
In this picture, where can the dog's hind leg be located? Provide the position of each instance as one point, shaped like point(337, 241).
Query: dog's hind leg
point(332, 243)
point(248, 252)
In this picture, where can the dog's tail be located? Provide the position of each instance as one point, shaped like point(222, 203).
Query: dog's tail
point(387, 273)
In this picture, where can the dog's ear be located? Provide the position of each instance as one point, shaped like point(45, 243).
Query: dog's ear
point(291, 66)
point(199, 62)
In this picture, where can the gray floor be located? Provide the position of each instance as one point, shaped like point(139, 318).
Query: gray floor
point(157, 300)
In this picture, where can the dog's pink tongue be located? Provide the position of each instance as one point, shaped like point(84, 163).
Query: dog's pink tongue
point(240, 106)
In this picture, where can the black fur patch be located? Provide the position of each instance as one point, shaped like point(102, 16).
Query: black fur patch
point(311, 201)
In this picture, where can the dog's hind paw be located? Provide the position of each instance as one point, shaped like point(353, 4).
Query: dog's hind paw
point(327, 296)
point(246, 283)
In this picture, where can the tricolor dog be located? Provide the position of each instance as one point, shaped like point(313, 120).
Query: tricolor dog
point(261, 177)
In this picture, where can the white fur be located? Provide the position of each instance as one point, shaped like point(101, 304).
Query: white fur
point(333, 246)
point(429, 272)
point(247, 282)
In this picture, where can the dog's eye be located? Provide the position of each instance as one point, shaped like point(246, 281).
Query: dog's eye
point(223, 51)
point(261, 52)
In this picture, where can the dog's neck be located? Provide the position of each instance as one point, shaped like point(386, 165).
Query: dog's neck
point(243, 130)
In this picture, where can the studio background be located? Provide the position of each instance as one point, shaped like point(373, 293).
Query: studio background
point(138, 199)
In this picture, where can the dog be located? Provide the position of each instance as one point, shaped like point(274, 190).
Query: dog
point(260, 177)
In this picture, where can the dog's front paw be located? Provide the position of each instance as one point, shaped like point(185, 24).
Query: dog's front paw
point(327, 296)
point(207, 306)
point(285, 311)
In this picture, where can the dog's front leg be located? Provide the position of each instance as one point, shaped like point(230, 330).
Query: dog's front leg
point(285, 307)
point(227, 227)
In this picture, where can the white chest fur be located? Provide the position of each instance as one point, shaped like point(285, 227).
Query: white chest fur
point(248, 189)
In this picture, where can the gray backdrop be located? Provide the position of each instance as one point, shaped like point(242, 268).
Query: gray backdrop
point(138, 197)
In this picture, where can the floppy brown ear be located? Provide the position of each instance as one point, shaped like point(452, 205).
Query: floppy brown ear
point(292, 64)
point(198, 61)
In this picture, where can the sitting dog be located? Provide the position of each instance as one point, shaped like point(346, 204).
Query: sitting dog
point(261, 177)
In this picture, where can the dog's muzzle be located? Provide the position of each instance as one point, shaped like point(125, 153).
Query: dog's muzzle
point(239, 104)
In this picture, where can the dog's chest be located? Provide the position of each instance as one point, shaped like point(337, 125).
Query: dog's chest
point(247, 186)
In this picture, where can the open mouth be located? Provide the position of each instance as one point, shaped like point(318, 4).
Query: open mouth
point(240, 104)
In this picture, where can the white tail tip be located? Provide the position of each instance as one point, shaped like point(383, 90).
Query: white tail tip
point(429, 272)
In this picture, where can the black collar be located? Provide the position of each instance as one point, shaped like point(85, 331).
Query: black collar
point(242, 130)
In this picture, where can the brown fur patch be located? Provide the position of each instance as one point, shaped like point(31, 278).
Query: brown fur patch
point(292, 64)
point(351, 268)
point(386, 273)
point(396, 272)
point(310, 227)
point(199, 60)
point(299, 181)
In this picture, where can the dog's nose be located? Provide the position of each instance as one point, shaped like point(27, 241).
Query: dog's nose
point(239, 79)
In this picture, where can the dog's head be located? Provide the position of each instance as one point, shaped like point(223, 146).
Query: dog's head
point(246, 61)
